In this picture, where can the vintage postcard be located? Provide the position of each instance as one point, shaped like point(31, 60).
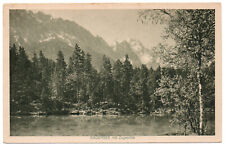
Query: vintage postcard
point(87, 73)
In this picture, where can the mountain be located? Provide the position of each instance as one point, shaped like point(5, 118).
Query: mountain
point(37, 31)
point(145, 55)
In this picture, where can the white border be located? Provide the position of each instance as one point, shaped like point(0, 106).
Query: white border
point(94, 1)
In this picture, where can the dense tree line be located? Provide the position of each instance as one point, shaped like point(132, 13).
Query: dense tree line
point(41, 85)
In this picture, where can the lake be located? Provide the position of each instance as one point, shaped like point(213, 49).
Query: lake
point(107, 125)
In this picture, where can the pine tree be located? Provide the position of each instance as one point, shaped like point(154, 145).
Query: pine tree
point(126, 78)
point(145, 98)
point(90, 79)
point(24, 92)
point(77, 60)
point(47, 104)
point(117, 78)
point(60, 75)
point(106, 77)
point(135, 92)
point(13, 80)
point(36, 83)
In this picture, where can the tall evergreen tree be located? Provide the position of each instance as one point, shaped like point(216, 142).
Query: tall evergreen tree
point(90, 79)
point(75, 80)
point(60, 73)
point(145, 98)
point(77, 60)
point(117, 78)
point(135, 91)
point(23, 73)
point(106, 77)
point(36, 83)
point(13, 79)
point(47, 104)
point(126, 78)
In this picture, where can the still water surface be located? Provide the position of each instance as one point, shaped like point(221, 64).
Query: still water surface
point(92, 126)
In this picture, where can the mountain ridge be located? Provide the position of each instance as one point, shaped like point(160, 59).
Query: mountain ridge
point(38, 31)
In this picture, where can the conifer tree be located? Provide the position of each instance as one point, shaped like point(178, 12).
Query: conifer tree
point(126, 78)
point(75, 79)
point(60, 73)
point(145, 98)
point(47, 104)
point(117, 78)
point(23, 73)
point(13, 79)
point(36, 83)
point(106, 76)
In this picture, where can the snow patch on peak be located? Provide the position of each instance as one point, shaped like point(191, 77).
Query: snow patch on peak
point(136, 45)
point(47, 38)
point(143, 53)
point(69, 39)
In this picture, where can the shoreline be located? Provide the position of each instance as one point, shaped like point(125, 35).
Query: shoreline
point(93, 113)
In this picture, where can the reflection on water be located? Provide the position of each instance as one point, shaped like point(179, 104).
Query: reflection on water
point(92, 125)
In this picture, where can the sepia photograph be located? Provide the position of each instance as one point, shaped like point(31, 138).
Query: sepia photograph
point(113, 73)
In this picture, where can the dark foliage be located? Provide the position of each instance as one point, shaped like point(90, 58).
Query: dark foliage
point(44, 86)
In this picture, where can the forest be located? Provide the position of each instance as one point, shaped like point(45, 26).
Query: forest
point(184, 89)
point(48, 87)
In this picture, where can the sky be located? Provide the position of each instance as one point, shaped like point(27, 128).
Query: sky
point(113, 25)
